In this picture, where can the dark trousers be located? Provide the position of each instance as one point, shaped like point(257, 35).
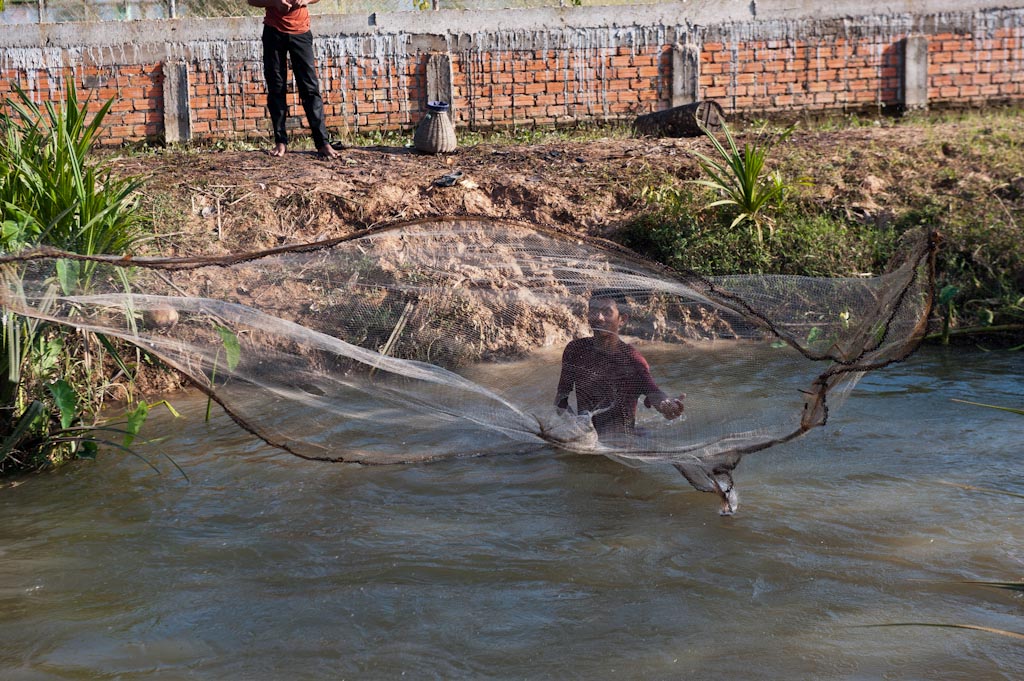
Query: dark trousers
point(277, 48)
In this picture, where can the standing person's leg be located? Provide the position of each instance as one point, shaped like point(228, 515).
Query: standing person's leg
point(275, 71)
point(304, 68)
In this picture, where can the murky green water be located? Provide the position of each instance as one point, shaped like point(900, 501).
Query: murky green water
point(535, 565)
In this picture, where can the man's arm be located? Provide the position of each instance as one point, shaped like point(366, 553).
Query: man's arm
point(669, 407)
point(565, 383)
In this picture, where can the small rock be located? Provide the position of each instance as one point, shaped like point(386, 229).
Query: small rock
point(160, 318)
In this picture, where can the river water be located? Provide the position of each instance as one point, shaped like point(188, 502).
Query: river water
point(535, 564)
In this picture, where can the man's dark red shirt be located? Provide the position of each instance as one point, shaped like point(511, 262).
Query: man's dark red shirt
point(607, 383)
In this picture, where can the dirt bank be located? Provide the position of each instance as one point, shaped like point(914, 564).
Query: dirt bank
point(963, 175)
point(218, 201)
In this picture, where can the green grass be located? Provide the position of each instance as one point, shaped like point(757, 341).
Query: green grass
point(518, 136)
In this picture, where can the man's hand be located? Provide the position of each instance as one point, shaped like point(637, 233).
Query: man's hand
point(671, 407)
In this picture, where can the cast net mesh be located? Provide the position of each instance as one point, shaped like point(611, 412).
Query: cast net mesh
point(444, 338)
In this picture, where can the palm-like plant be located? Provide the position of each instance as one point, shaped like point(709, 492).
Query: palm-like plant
point(739, 177)
point(51, 194)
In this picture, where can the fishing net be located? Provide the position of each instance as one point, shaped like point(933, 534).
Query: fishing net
point(448, 338)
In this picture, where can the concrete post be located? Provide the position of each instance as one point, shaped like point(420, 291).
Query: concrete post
point(439, 79)
point(685, 74)
point(915, 72)
point(177, 113)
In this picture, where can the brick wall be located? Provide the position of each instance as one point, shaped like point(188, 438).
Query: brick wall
point(964, 69)
point(542, 77)
point(137, 108)
point(838, 73)
point(819, 74)
point(549, 87)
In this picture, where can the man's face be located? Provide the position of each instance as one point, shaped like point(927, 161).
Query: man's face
point(603, 316)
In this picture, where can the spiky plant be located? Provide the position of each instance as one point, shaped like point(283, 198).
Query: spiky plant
point(739, 177)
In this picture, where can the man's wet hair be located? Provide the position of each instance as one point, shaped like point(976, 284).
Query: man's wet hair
point(617, 296)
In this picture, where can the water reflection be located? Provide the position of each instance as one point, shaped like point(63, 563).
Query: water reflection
point(537, 564)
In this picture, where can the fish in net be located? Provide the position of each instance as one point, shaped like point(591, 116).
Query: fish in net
point(460, 337)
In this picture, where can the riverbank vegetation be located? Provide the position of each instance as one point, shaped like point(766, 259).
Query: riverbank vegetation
point(963, 177)
point(53, 380)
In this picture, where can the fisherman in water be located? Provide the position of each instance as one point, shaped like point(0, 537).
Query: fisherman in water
point(608, 374)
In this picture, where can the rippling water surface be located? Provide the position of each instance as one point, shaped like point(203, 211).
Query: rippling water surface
point(536, 564)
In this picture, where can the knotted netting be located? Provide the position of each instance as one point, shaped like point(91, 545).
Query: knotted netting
point(448, 337)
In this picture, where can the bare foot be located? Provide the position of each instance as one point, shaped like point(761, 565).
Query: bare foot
point(327, 152)
point(279, 150)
